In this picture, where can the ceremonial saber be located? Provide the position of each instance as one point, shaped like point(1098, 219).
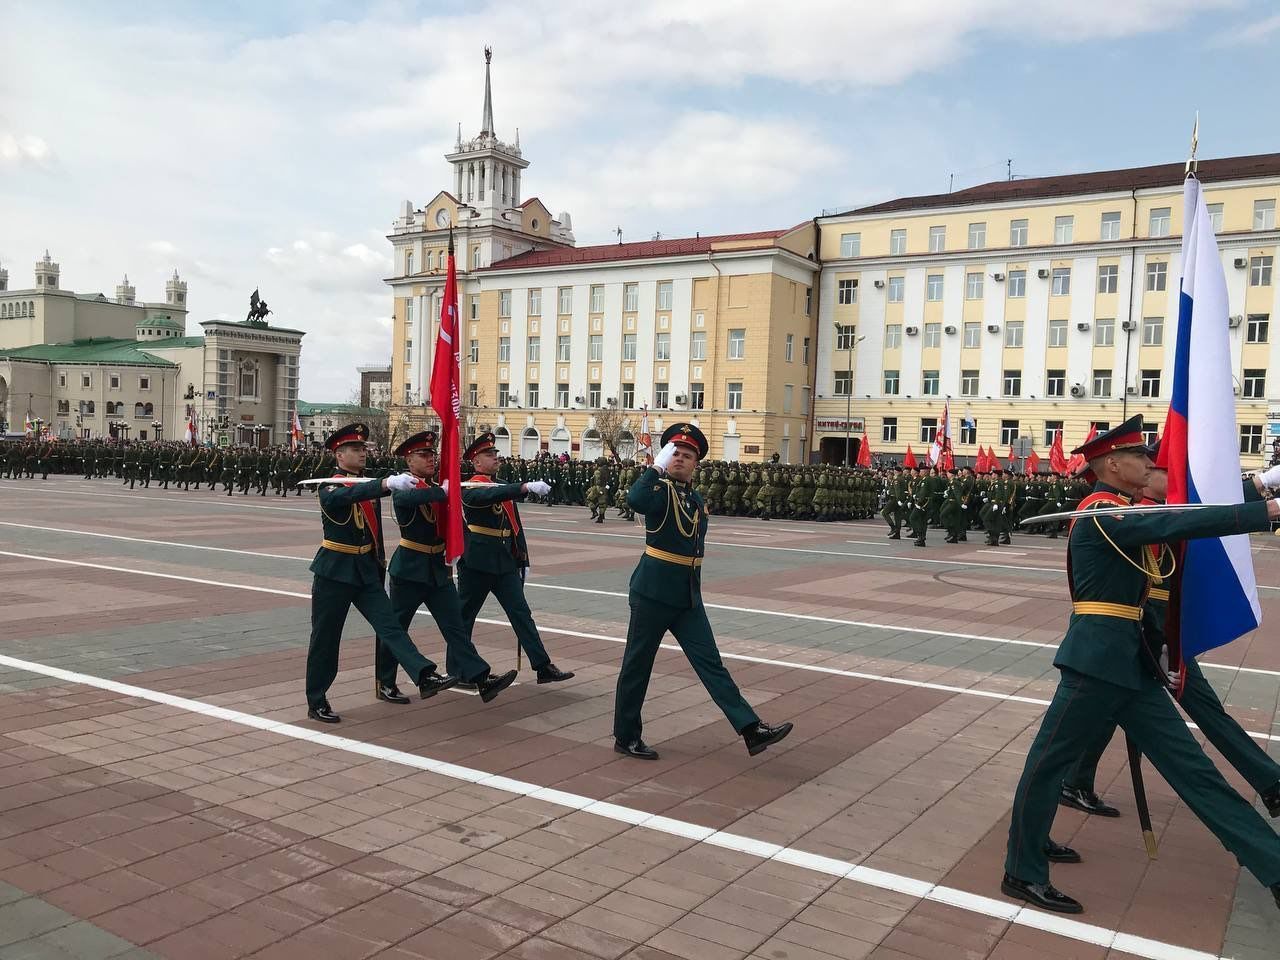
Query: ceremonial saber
point(349, 481)
point(1140, 797)
point(1120, 511)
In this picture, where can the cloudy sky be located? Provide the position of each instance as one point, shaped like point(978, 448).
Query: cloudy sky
point(268, 144)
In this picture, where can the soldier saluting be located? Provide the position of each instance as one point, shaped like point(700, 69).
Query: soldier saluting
point(666, 594)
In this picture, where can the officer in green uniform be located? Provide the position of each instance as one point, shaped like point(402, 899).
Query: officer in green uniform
point(420, 576)
point(895, 504)
point(349, 569)
point(920, 493)
point(666, 594)
point(1108, 675)
point(497, 556)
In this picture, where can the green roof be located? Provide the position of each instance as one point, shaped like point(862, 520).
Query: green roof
point(168, 343)
point(101, 350)
point(354, 409)
point(159, 320)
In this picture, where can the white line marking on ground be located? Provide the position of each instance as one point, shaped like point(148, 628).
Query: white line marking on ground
point(1005, 553)
point(884, 880)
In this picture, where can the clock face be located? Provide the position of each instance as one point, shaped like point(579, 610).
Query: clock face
point(442, 218)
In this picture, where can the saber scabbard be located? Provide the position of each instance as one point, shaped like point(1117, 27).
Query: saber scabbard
point(1140, 798)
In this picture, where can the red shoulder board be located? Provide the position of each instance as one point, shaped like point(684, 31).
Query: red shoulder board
point(1099, 496)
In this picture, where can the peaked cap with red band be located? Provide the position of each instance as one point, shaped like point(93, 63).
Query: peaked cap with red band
point(1127, 436)
point(486, 441)
point(418, 443)
point(351, 433)
point(686, 435)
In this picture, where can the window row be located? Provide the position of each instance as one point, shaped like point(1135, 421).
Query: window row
point(626, 399)
point(115, 408)
point(1252, 384)
point(19, 308)
point(564, 299)
point(1257, 330)
point(735, 347)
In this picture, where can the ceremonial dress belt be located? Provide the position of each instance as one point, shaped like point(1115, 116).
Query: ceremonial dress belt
point(488, 531)
point(422, 547)
point(1158, 593)
point(1099, 608)
point(668, 557)
point(346, 547)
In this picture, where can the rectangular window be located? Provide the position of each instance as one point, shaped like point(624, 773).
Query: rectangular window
point(531, 395)
point(473, 394)
point(562, 395)
point(845, 336)
point(696, 393)
point(1157, 275)
point(1057, 333)
point(595, 347)
point(1055, 383)
point(698, 345)
point(897, 286)
point(662, 347)
point(533, 350)
point(1260, 271)
point(977, 236)
point(1017, 233)
point(734, 390)
point(593, 395)
point(846, 291)
point(408, 262)
point(897, 243)
point(665, 295)
point(934, 287)
point(1256, 332)
point(808, 301)
point(937, 239)
point(973, 286)
point(1102, 383)
point(804, 354)
point(1104, 332)
point(504, 349)
point(1063, 229)
point(850, 244)
point(1111, 225)
point(535, 301)
point(928, 429)
point(408, 351)
point(115, 381)
point(1017, 288)
point(892, 383)
point(972, 334)
point(474, 351)
point(969, 431)
point(788, 395)
point(64, 407)
point(968, 383)
point(1152, 331)
point(62, 379)
point(661, 395)
point(504, 303)
point(842, 383)
point(1215, 216)
point(1108, 278)
point(474, 301)
point(929, 383)
point(628, 396)
point(1013, 333)
point(737, 344)
point(504, 395)
point(1264, 214)
point(1255, 384)
point(1061, 283)
point(1008, 432)
point(565, 296)
point(597, 299)
point(86, 381)
point(1013, 383)
point(889, 430)
point(1251, 438)
point(1150, 383)
point(563, 348)
point(144, 383)
point(789, 350)
point(1160, 222)
point(630, 297)
point(892, 336)
point(628, 346)
point(1051, 430)
point(932, 335)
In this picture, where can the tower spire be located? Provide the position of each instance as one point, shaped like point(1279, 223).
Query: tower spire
point(486, 125)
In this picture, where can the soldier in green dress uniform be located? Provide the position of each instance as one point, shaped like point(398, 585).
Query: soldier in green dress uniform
point(666, 594)
point(420, 576)
point(496, 557)
point(349, 569)
point(1109, 675)
point(919, 495)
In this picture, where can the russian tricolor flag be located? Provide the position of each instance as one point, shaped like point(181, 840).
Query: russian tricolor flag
point(1215, 580)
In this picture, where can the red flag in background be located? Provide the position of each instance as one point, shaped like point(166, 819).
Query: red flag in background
point(909, 461)
point(993, 462)
point(1077, 462)
point(446, 403)
point(1033, 463)
point(864, 451)
point(1057, 459)
point(980, 461)
point(1013, 458)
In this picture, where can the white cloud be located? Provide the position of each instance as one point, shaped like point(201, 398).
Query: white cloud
point(23, 149)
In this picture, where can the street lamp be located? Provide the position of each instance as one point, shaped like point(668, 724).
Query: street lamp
point(848, 407)
point(156, 426)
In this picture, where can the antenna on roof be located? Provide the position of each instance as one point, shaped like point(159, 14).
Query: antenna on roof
point(951, 183)
point(657, 235)
point(1008, 166)
point(618, 231)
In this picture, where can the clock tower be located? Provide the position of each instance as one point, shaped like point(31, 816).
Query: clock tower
point(486, 170)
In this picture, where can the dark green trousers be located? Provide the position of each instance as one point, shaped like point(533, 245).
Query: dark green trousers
point(1202, 705)
point(1082, 710)
point(330, 602)
point(474, 587)
point(918, 520)
point(461, 658)
point(649, 623)
point(892, 515)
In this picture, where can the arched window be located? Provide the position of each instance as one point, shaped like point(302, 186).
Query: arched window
point(592, 446)
point(148, 410)
point(139, 411)
point(560, 440)
point(249, 378)
point(626, 445)
point(530, 443)
point(502, 440)
point(89, 407)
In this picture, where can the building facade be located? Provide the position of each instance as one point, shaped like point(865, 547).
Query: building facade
point(1030, 306)
point(375, 387)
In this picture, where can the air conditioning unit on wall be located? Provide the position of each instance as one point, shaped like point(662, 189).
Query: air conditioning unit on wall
point(912, 331)
point(1077, 390)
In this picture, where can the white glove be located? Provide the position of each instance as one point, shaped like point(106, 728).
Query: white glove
point(664, 457)
point(401, 481)
point(964, 506)
point(444, 485)
point(1270, 478)
point(538, 488)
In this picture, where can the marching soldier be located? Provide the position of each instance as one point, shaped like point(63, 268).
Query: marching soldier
point(349, 569)
point(497, 556)
point(919, 494)
point(666, 594)
point(420, 576)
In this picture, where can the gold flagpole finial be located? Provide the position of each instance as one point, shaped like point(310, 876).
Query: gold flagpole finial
point(1192, 162)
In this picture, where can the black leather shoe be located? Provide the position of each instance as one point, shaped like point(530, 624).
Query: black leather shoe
point(1086, 800)
point(1043, 895)
point(552, 674)
point(760, 735)
point(429, 684)
point(390, 694)
point(636, 748)
point(324, 713)
point(895, 536)
point(920, 543)
point(491, 686)
point(1271, 798)
point(1060, 853)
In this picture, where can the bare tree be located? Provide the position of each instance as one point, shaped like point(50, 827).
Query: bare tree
point(379, 423)
point(616, 430)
